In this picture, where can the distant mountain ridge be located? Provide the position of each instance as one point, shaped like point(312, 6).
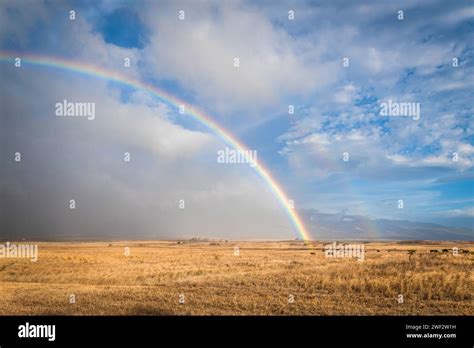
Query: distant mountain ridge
point(332, 226)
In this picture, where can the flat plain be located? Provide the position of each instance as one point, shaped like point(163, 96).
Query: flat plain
point(262, 278)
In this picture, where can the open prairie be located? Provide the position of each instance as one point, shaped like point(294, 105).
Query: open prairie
point(258, 278)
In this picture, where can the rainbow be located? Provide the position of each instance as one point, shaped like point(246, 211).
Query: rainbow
point(195, 113)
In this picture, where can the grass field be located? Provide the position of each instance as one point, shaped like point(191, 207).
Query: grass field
point(211, 280)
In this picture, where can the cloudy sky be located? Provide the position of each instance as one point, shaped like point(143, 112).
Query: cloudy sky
point(336, 62)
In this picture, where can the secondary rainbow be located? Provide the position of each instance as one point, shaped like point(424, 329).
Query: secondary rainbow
point(60, 63)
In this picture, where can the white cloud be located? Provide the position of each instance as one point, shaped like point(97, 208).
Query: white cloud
point(465, 212)
point(199, 53)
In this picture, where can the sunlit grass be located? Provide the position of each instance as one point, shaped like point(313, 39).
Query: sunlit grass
point(215, 281)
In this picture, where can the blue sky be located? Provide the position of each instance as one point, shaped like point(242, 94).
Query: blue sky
point(297, 62)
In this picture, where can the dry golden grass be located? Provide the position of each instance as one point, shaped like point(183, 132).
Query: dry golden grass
point(216, 282)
